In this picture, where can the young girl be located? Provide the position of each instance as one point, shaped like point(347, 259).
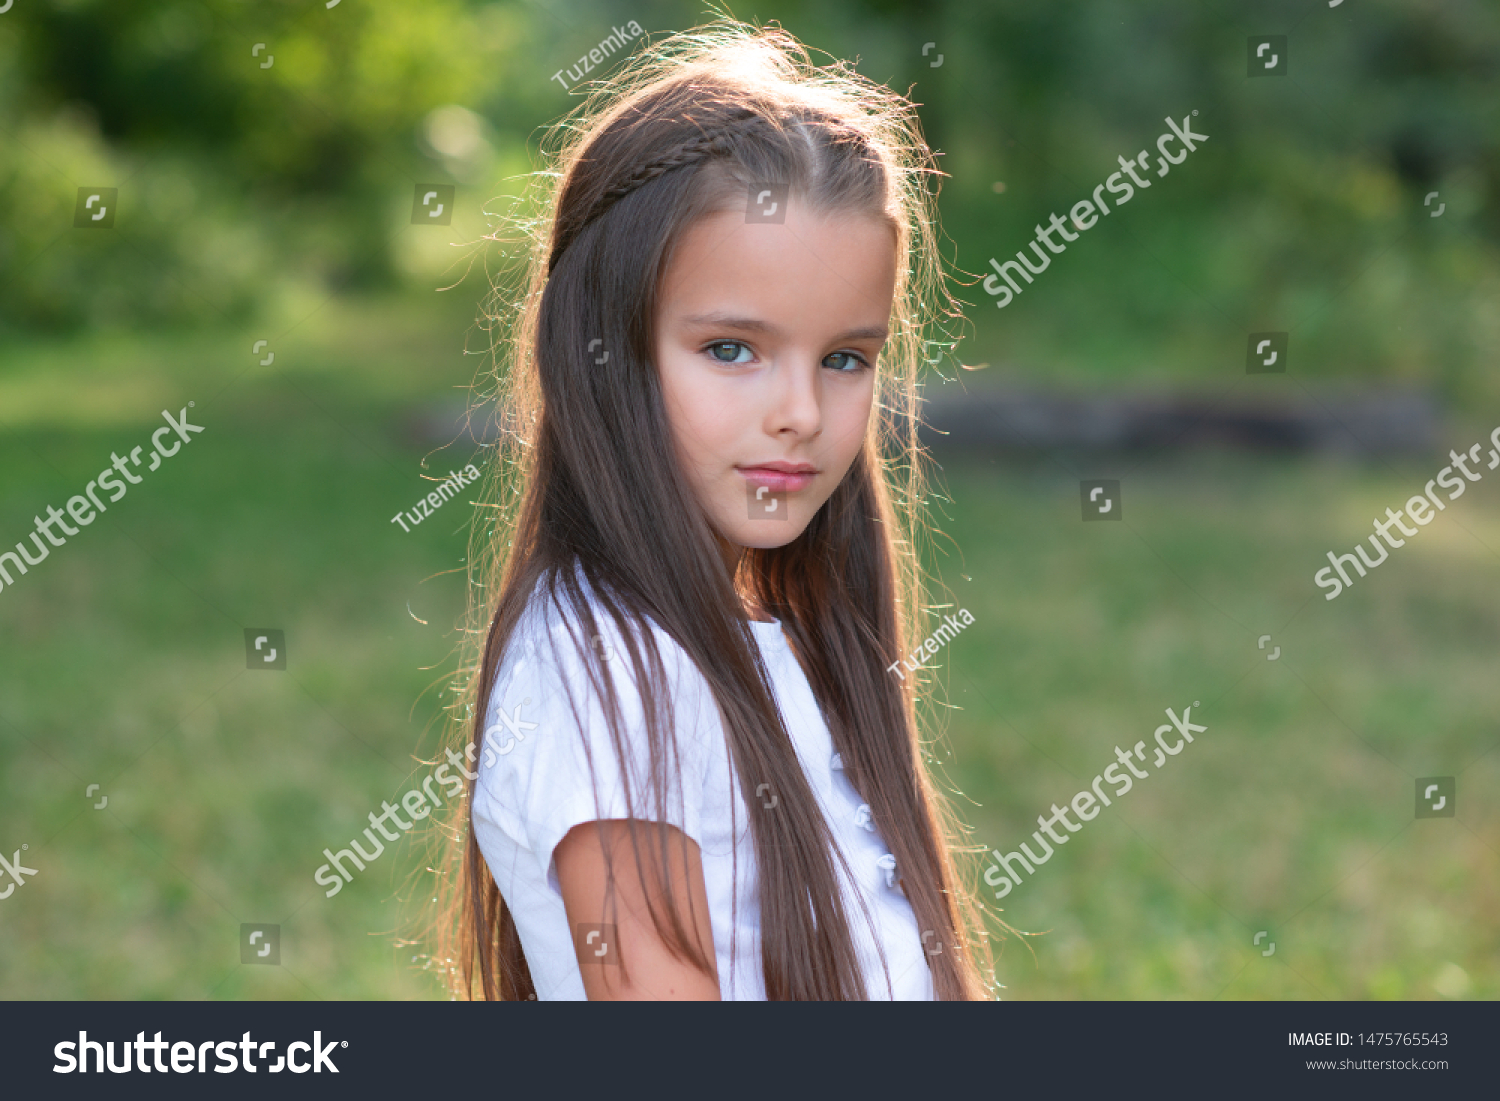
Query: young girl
point(692, 772)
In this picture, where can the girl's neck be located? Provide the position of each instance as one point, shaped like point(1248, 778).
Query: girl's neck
point(733, 553)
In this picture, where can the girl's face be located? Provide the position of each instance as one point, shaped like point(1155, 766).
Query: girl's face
point(766, 342)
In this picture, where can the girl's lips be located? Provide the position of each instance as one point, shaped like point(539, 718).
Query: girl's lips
point(778, 481)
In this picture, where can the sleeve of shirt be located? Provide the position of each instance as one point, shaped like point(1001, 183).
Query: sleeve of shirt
point(547, 765)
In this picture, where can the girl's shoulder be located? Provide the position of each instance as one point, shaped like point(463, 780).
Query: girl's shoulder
point(554, 642)
point(554, 735)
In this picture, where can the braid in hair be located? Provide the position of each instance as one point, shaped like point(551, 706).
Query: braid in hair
point(693, 151)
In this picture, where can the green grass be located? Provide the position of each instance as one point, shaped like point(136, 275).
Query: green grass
point(124, 666)
point(1294, 812)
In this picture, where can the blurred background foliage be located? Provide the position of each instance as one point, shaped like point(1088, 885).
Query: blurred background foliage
point(251, 179)
point(267, 195)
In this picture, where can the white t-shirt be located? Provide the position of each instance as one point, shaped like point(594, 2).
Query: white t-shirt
point(535, 785)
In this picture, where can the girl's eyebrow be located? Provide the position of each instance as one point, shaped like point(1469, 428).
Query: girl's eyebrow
point(755, 325)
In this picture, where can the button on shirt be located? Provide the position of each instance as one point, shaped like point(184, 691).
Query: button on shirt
point(535, 785)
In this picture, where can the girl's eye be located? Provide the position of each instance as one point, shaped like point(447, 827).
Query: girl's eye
point(714, 349)
point(852, 362)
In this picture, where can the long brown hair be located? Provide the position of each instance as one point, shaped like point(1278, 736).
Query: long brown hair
point(577, 488)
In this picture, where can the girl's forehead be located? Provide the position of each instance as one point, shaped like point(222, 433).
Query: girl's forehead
point(809, 263)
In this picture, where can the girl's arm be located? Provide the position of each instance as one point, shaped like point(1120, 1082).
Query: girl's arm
point(654, 972)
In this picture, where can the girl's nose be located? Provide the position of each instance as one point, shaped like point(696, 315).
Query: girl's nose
point(796, 401)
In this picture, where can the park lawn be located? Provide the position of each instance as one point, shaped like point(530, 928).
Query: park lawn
point(1293, 813)
point(125, 666)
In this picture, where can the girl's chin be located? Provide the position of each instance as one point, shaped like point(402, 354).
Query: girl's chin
point(766, 544)
point(765, 534)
